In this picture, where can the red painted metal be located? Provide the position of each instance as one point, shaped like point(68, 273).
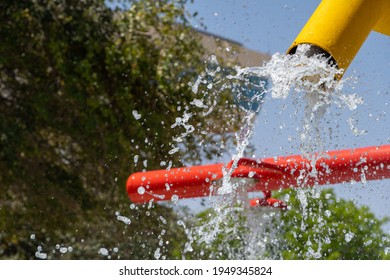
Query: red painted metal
point(267, 201)
point(369, 163)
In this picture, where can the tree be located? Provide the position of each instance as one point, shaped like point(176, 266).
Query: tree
point(328, 227)
point(88, 96)
point(317, 225)
point(218, 235)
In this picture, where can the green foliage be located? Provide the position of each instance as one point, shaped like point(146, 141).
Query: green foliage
point(84, 91)
point(317, 225)
point(320, 225)
point(218, 235)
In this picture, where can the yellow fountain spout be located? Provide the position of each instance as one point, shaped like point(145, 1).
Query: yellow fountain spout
point(338, 28)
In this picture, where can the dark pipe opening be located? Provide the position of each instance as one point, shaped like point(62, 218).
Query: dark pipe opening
point(317, 51)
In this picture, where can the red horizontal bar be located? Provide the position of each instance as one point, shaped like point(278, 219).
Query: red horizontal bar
point(369, 163)
point(269, 202)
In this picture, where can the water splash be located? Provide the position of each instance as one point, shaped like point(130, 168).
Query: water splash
point(309, 79)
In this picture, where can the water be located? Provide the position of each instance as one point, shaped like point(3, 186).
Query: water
point(230, 229)
point(310, 81)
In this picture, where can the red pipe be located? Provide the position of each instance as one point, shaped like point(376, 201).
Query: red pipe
point(268, 201)
point(369, 163)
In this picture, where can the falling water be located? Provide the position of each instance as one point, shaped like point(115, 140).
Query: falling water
point(308, 79)
point(231, 229)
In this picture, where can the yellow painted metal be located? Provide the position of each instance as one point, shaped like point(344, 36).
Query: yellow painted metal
point(340, 27)
point(383, 24)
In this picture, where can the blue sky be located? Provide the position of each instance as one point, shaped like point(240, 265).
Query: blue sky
point(271, 26)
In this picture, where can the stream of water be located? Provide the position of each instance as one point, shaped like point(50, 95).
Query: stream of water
point(230, 229)
point(311, 80)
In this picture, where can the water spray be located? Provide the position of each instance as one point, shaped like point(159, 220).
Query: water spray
point(336, 31)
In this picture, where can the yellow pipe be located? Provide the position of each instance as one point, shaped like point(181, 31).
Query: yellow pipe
point(338, 28)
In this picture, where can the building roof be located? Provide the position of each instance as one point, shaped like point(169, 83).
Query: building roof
point(232, 51)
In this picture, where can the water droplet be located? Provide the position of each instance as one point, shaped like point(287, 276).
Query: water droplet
point(136, 115)
point(363, 177)
point(41, 255)
point(174, 150)
point(164, 221)
point(157, 253)
point(141, 190)
point(63, 250)
point(198, 103)
point(367, 243)
point(124, 219)
point(103, 251)
point(349, 236)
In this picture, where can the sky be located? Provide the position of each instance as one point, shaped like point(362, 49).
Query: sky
point(271, 26)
